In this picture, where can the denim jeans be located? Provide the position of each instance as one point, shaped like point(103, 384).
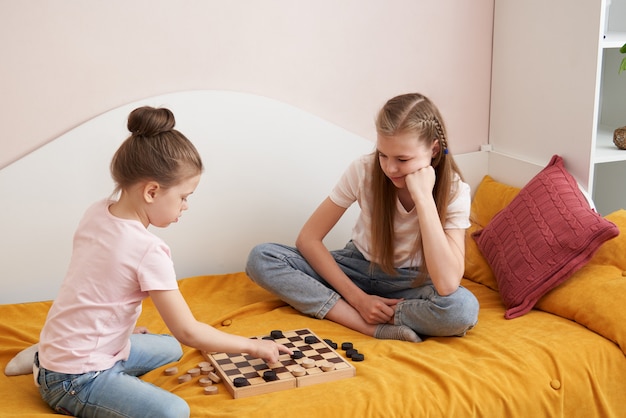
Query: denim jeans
point(283, 270)
point(117, 392)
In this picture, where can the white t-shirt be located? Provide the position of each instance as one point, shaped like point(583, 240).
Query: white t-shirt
point(355, 186)
point(114, 263)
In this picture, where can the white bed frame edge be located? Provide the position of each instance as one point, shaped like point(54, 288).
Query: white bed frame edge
point(254, 149)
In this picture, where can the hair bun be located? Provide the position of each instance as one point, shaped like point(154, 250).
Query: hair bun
point(150, 121)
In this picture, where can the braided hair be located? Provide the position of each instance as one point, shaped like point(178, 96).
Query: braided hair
point(417, 114)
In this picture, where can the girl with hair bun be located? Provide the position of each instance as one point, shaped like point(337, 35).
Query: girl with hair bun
point(90, 352)
point(399, 275)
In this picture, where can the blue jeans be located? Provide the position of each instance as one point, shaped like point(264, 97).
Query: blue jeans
point(118, 392)
point(284, 271)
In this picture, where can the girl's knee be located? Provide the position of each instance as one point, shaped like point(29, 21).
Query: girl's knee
point(465, 310)
point(457, 312)
point(173, 347)
point(178, 409)
point(256, 259)
point(256, 252)
point(470, 304)
point(262, 259)
point(169, 406)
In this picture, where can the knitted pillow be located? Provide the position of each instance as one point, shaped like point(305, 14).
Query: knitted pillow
point(541, 238)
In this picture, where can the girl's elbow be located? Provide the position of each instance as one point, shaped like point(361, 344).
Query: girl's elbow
point(299, 242)
point(185, 336)
point(447, 290)
point(302, 242)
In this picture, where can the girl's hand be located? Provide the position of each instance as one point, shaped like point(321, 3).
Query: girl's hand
point(268, 350)
point(377, 310)
point(421, 182)
point(141, 330)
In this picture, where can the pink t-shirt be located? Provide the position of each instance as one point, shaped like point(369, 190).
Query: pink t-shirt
point(115, 262)
point(356, 186)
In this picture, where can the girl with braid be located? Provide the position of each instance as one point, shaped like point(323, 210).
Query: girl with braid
point(399, 275)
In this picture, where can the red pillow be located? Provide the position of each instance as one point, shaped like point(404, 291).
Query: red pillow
point(541, 238)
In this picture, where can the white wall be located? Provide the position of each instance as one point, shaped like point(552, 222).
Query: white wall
point(66, 61)
point(267, 167)
point(543, 88)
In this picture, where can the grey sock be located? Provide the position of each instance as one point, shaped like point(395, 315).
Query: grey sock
point(396, 332)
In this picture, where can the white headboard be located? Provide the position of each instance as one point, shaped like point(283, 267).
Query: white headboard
point(268, 165)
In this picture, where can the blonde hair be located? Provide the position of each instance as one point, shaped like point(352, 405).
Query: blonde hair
point(154, 151)
point(408, 113)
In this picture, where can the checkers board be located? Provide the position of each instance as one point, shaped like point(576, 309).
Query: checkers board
point(237, 366)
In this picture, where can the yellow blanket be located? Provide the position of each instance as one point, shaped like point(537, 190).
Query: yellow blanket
point(538, 365)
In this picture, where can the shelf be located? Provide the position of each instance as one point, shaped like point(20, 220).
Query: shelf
point(606, 151)
point(613, 40)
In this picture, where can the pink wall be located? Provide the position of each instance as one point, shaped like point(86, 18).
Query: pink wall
point(64, 62)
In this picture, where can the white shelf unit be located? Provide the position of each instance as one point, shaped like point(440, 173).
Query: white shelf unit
point(556, 89)
point(606, 151)
point(609, 162)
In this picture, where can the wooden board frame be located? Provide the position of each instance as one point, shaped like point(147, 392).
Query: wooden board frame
point(228, 366)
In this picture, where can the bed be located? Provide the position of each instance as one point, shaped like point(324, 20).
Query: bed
point(562, 358)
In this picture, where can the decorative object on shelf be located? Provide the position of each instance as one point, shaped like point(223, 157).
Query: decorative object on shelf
point(619, 137)
point(622, 66)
